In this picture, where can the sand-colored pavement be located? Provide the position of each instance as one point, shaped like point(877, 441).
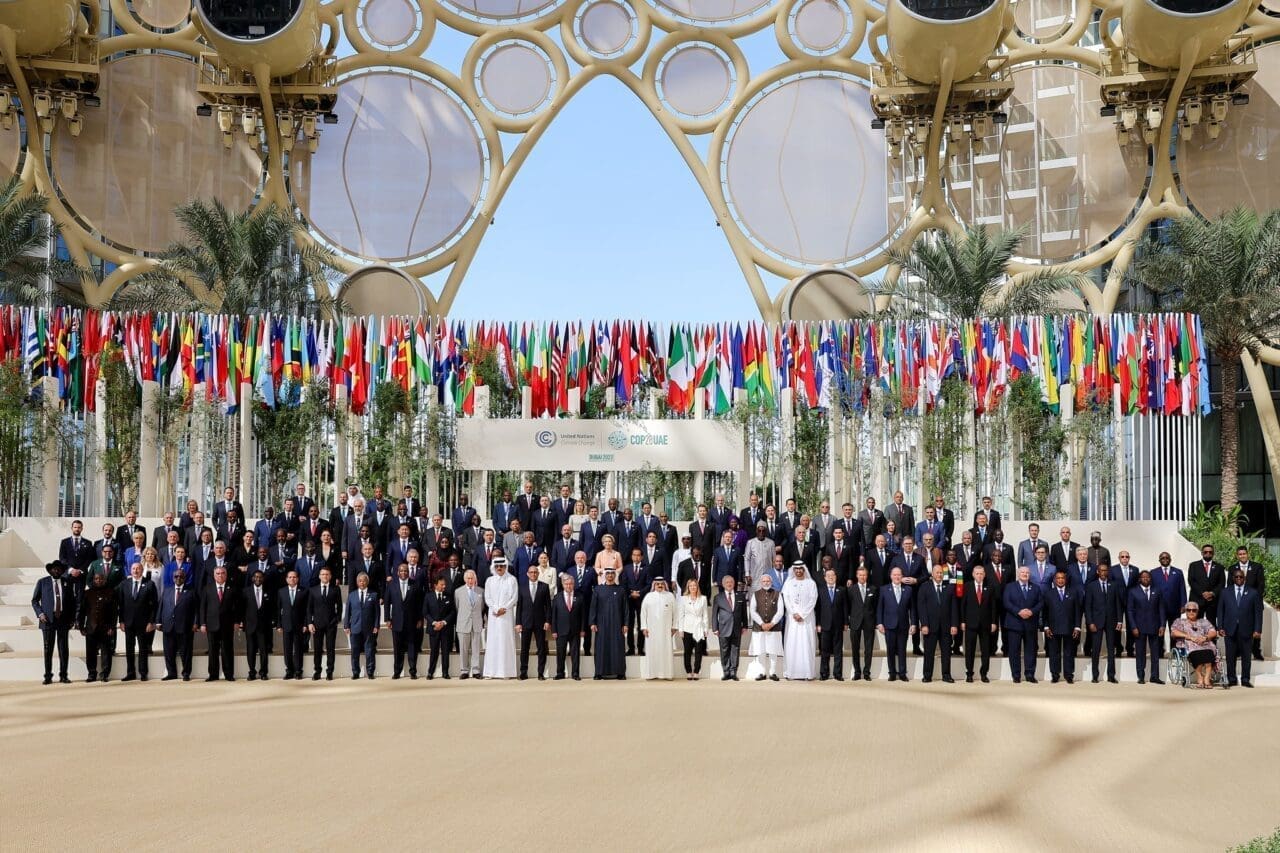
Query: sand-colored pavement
point(398, 765)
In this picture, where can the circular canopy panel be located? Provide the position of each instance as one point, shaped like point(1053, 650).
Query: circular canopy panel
point(696, 79)
point(826, 295)
point(1239, 167)
point(806, 175)
point(516, 78)
point(712, 11)
point(390, 23)
point(820, 27)
point(144, 152)
point(161, 14)
point(505, 11)
point(605, 28)
point(1059, 171)
point(384, 291)
point(402, 174)
point(1042, 19)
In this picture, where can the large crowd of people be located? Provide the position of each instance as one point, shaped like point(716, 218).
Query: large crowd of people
point(542, 572)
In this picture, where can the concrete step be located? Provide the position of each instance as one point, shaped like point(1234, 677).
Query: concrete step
point(23, 575)
point(16, 615)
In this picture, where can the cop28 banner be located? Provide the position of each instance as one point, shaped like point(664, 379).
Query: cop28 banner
point(605, 445)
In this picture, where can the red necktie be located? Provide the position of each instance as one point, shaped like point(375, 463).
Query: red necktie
point(570, 603)
point(979, 589)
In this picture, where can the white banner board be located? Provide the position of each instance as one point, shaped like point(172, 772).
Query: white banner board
point(606, 445)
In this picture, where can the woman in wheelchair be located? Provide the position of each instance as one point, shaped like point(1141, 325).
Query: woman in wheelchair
point(1195, 636)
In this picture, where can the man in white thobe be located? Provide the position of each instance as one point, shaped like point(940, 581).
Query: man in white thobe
point(500, 595)
point(799, 597)
point(758, 555)
point(767, 612)
point(658, 622)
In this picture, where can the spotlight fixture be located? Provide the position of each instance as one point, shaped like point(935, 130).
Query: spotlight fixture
point(92, 101)
point(330, 118)
point(203, 110)
point(1108, 111)
point(1240, 99)
point(1000, 117)
point(877, 124)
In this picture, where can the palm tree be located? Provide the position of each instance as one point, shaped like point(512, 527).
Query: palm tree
point(25, 235)
point(1227, 270)
point(235, 263)
point(965, 277)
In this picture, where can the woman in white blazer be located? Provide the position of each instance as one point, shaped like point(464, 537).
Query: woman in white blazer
point(692, 623)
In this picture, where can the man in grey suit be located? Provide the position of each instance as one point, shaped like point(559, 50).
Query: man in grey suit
point(349, 538)
point(468, 599)
point(872, 521)
point(728, 622)
point(902, 515)
point(822, 524)
point(360, 623)
point(1027, 547)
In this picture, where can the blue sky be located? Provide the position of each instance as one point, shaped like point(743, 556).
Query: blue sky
point(562, 245)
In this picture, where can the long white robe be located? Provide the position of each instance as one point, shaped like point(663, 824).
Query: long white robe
point(757, 556)
point(800, 596)
point(501, 591)
point(658, 617)
point(767, 642)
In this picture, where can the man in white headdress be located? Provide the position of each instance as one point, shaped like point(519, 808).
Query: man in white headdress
point(767, 612)
point(500, 594)
point(799, 597)
point(658, 622)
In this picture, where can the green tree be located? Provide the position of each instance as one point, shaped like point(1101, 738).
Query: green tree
point(235, 263)
point(25, 234)
point(1227, 270)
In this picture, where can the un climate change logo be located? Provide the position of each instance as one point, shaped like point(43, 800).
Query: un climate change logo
point(545, 438)
point(617, 439)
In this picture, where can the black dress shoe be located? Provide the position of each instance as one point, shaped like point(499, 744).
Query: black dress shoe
point(464, 676)
point(169, 678)
point(394, 676)
point(726, 678)
point(839, 678)
point(928, 679)
point(760, 677)
point(371, 676)
point(186, 678)
point(866, 676)
point(230, 678)
point(328, 676)
point(948, 679)
point(1017, 679)
point(1111, 679)
point(1246, 684)
point(522, 676)
point(1156, 681)
point(893, 677)
point(1031, 679)
point(253, 676)
point(820, 677)
point(622, 678)
point(1053, 680)
point(262, 676)
point(558, 678)
point(315, 677)
point(48, 679)
point(904, 677)
point(130, 677)
point(1141, 680)
point(540, 677)
point(1071, 679)
point(1095, 679)
point(144, 677)
point(577, 678)
point(599, 678)
point(986, 680)
point(968, 679)
point(445, 676)
point(212, 678)
point(773, 678)
point(355, 676)
point(733, 677)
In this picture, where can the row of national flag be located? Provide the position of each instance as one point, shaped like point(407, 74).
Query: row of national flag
point(1153, 363)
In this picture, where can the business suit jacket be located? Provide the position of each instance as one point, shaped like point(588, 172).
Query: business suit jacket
point(460, 518)
point(668, 539)
point(719, 516)
point(689, 570)
point(703, 535)
point(998, 557)
point(290, 525)
point(1254, 576)
point(124, 536)
point(190, 538)
point(565, 621)
point(219, 615)
point(935, 527)
point(469, 614)
point(831, 614)
point(526, 505)
point(397, 554)
point(533, 611)
point(43, 600)
point(307, 534)
point(727, 562)
point(975, 615)
point(894, 614)
point(220, 512)
point(308, 569)
point(993, 518)
point(822, 529)
point(562, 554)
point(903, 517)
point(402, 612)
point(589, 538)
point(729, 622)
point(178, 612)
point(1212, 578)
point(658, 560)
point(1104, 610)
point(232, 534)
point(468, 540)
point(1240, 619)
point(362, 618)
point(338, 519)
point(356, 565)
point(912, 567)
point(981, 538)
point(160, 535)
point(136, 612)
point(634, 580)
point(948, 520)
point(292, 616)
point(1062, 556)
point(524, 558)
point(258, 619)
point(1015, 600)
point(79, 558)
point(324, 611)
point(627, 536)
point(1027, 550)
point(939, 616)
point(872, 525)
point(1145, 612)
point(1173, 591)
point(436, 610)
point(877, 571)
point(502, 515)
point(862, 610)
point(845, 563)
point(1062, 610)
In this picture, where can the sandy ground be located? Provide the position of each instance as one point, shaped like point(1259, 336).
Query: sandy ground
point(634, 766)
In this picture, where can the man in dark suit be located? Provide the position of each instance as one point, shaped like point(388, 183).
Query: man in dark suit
point(302, 502)
point(981, 534)
point(989, 510)
point(843, 557)
point(652, 555)
point(938, 615)
point(947, 519)
point(312, 526)
point(1255, 578)
point(360, 623)
point(727, 560)
point(932, 527)
point(902, 514)
point(999, 558)
point(797, 549)
point(862, 598)
point(223, 509)
point(694, 568)
point(728, 622)
point(526, 505)
point(1062, 609)
point(544, 526)
point(527, 554)
point(1104, 602)
point(636, 580)
point(668, 539)
point(1125, 575)
point(55, 603)
point(439, 614)
point(124, 533)
point(563, 549)
point(231, 530)
point(1146, 623)
point(702, 535)
point(365, 563)
point(626, 533)
point(194, 536)
point(179, 611)
point(979, 622)
point(567, 609)
point(76, 553)
point(872, 521)
point(138, 602)
point(218, 622)
point(1062, 552)
point(1023, 601)
point(503, 511)
point(719, 513)
point(324, 612)
point(591, 533)
point(160, 535)
point(402, 616)
point(338, 515)
point(1169, 581)
point(1240, 619)
point(878, 561)
point(533, 620)
point(562, 506)
point(894, 620)
point(257, 620)
point(830, 616)
point(291, 622)
point(1207, 579)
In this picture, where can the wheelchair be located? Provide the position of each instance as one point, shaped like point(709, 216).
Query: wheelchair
point(1180, 673)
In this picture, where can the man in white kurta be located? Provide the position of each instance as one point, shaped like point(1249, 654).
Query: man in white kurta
point(500, 595)
point(799, 596)
point(766, 635)
point(658, 622)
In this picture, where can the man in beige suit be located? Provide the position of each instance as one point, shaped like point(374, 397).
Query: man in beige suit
point(469, 601)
